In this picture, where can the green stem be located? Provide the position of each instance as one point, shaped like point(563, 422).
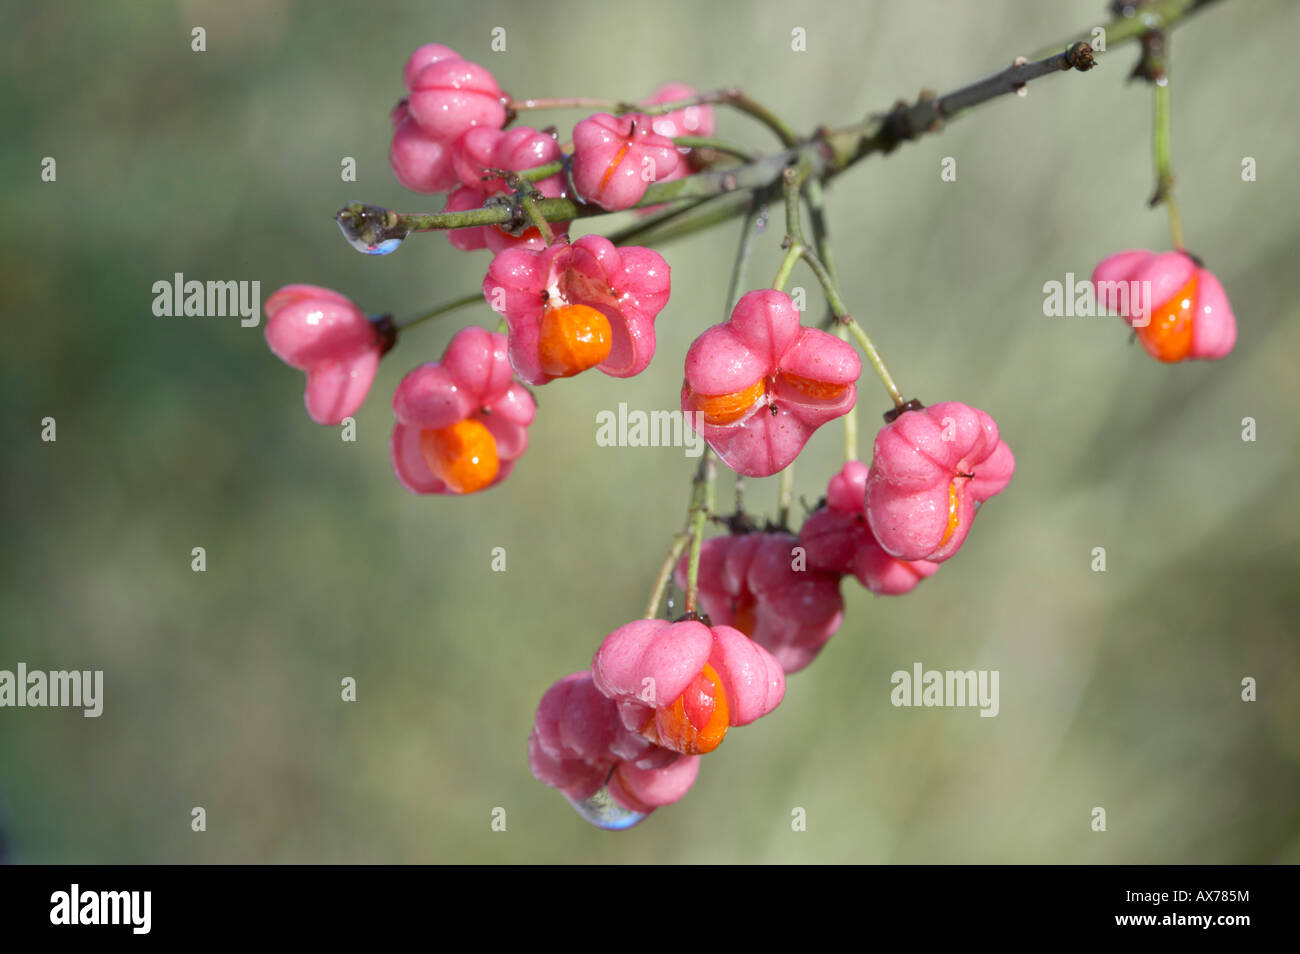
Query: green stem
point(822, 238)
point(702, 501)
point(833, 298)
point(444, 308)
point(537, 173)
point(653, 221)
point(877, 362)
point(1164, 167)
point(792, 180)
point(529, 204)
point(821, 232)
point(761, 173)
point(830, 152)
point(788, 263)
point(717, 145)
point(723, 97)
point(1154, 14)
point(738, 100)
point(666, 574)
point(841, 312)
point(785, 497)
point(743, 252)
point(686, 220)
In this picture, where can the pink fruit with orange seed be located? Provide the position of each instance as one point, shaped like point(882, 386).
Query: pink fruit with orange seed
point(616, 158)
point(579, 746)
point(760, 384)
point(579, 305)
point(462, 422)
point(682, 685)
point(931, 470)
point(1176, 306)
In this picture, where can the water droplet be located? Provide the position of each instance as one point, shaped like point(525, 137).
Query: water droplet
point(602, 811)
point(383, 248)
point(370, 228)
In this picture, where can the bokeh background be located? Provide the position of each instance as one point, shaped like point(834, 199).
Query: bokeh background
point(1119, 689)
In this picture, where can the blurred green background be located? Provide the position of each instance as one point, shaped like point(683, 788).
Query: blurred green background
point(1118, 689)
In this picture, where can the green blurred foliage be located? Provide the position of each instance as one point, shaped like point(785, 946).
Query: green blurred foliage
point(1118, 689)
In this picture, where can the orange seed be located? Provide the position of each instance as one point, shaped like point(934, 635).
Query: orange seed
point(463, 456)
point(725, 408)
point(1169, 335)
point(697, 720)
point(573, 338)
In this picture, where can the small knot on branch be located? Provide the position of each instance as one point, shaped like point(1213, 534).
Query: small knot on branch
point(1022, 89)
point(1163, 187)
point(928, 97)
point(1151, 64)
point(909, 121)
point(1080, 57)
point(518, 222)
point(738, 523)
point(821, 138)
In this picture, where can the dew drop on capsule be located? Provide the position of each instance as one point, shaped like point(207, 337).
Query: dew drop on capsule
point(602, 811)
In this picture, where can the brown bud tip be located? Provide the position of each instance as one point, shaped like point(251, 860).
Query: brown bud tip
point(1080, 57)
point(386, 331)
point(893, 413)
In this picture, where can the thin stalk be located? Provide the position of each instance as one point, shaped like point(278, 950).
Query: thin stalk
point(1153, 14)
point(653, 221)
point(841, 311)
point(666, 574)
point(444, 308)
point(537, 173)
point(702, 504)
point(529, 205)
point(792, 181)
point(723, 97)
point(738, 100)
point(717, 145)
point(822, 239)
point(1164, 165)
point(792, 256)
point(873, 356)
point(696, 217)
point(785, 496)
point(743, 252)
